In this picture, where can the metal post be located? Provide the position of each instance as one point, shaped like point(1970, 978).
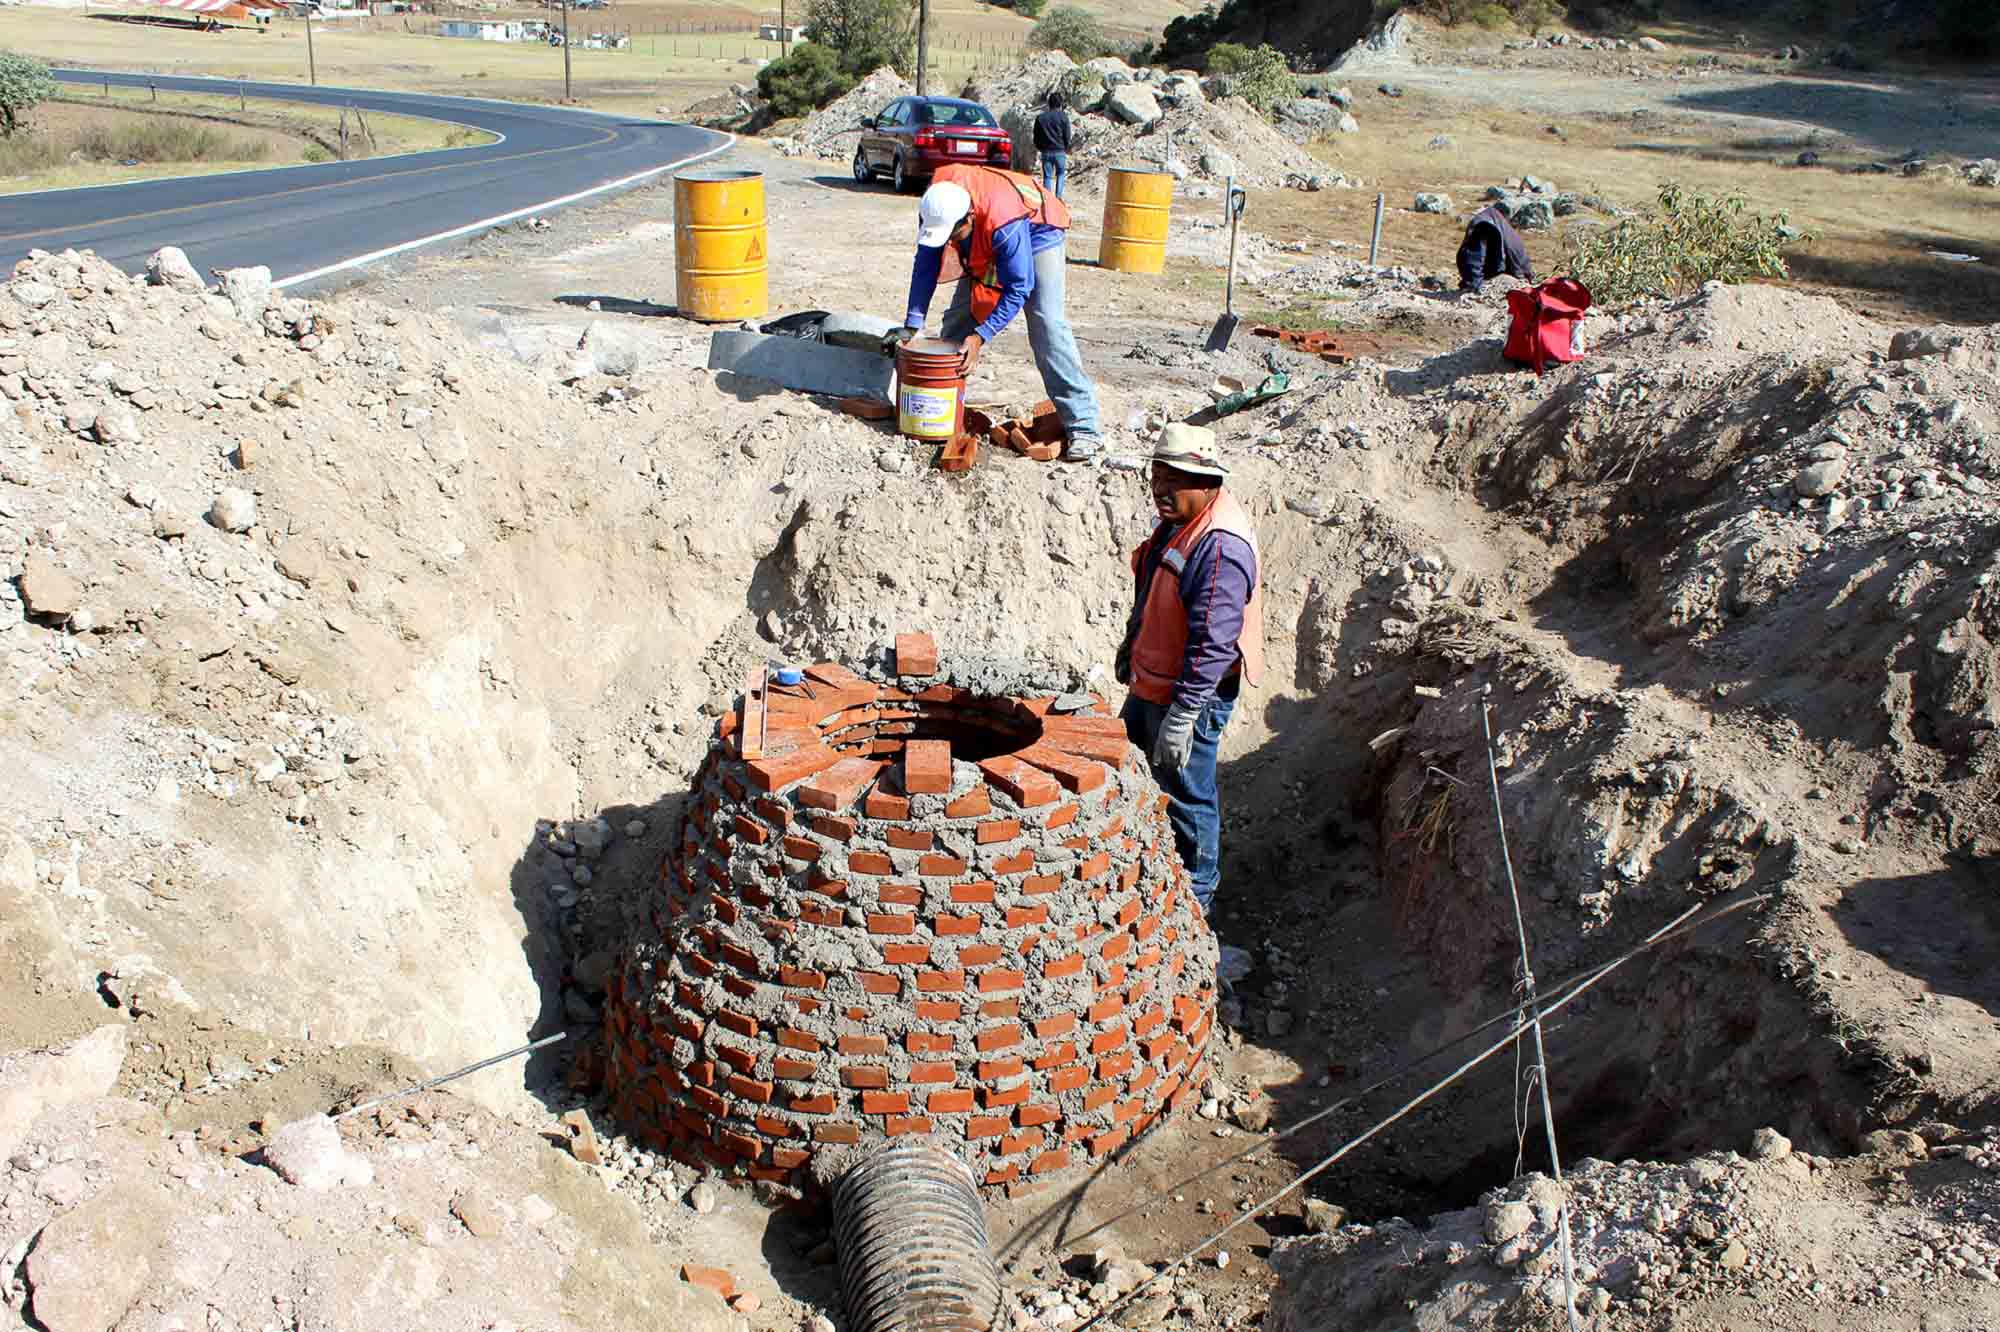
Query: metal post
point(241, 104)
point(312, 66)
point(923, 43)
point(565, 12)
point(784, 32)
point(1375, 242)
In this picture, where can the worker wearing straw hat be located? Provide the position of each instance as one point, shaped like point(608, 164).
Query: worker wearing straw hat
point(1195, 637)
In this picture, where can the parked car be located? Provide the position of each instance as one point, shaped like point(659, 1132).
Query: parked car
point(914, 136)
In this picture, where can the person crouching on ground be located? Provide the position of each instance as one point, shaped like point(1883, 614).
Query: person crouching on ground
point(1195, 636)
point(1492, 247)
point(1009, 233)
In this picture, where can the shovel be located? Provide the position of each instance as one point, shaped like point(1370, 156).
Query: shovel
point(1233, 200)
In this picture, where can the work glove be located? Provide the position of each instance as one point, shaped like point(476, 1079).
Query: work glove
point(1175, 742)
point(895, 338)
point(1121, 668)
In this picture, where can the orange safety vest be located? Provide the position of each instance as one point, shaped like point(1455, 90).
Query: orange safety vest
point(1161, 644)
point(998, 197)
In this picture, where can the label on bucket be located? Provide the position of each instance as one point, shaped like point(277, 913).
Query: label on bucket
point(927, 412)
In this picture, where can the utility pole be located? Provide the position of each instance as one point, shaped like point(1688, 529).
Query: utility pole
point(784, 32)
point(565, 9)
point(923, 43)
point(312, 66)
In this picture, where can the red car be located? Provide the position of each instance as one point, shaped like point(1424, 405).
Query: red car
point(914, 136)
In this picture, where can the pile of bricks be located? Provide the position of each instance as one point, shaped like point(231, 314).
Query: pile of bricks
point(1313, 342)
point(911, 908)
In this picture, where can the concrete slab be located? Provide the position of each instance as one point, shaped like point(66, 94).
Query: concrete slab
point(807, 367)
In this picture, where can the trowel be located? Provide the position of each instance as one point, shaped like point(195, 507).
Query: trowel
point(1233, 200)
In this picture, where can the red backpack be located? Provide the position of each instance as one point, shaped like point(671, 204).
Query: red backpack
point(1547, 323)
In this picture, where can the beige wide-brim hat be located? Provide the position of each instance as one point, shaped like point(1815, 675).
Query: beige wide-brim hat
point(1189, 448)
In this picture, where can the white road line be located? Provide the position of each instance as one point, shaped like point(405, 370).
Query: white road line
point(500, 219)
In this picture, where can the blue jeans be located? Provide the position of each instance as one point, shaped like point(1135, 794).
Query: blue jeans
point(1055, 171)
point(1194, 805)
point(1049, 337)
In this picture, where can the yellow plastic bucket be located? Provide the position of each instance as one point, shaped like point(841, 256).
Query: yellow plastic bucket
point(720, 270)
point(1136, 205)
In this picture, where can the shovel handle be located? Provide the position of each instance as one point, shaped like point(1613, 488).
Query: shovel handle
point(1233, 200)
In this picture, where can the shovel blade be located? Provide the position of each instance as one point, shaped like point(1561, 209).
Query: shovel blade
point(1219, 336)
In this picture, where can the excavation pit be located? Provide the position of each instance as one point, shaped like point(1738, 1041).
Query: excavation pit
point(913, 908)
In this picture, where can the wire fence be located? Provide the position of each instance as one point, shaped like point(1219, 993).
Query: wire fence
point(957, 52)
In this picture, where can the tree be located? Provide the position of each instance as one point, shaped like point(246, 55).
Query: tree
point(1070, 29)
point(24, 83)
point(803, 81)
point(1259, 77)
point(1030, 8)
point(865, 34)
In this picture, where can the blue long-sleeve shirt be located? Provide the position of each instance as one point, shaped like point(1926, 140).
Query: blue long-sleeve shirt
point(1215, 589)
point(1015, 246)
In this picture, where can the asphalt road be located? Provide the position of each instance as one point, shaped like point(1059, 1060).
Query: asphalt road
point(316, 224)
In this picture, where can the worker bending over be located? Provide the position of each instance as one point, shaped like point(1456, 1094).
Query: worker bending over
point(1492, 247)
point(1009, 233)
point(1196, 635)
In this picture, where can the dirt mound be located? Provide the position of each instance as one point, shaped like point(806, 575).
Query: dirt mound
point(829, 132)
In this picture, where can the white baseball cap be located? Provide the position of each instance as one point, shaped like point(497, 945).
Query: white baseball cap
point(939, 212)
point(1189, 448)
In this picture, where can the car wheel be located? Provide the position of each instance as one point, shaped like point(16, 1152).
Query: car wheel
point(862, 172)
point(903, 181)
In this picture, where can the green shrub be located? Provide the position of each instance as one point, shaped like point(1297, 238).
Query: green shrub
point(24, 83)
point(803, 81)
point(1259, 77)
point(865, 34)
point(1688, 240)
point(1030, 8)
point(315, 153)
point(1072, 30)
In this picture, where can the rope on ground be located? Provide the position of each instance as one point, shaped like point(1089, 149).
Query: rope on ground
point(1540, 1071)
point(452, 1077)
point(1673, 929)
point(1514, 1034)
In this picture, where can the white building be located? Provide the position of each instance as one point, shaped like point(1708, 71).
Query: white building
point(485, 30)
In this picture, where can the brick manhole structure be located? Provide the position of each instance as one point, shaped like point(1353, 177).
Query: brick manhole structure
point(913, 908)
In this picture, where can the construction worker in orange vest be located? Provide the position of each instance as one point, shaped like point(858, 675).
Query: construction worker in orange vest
point(1195, 637)
point(1009, 234)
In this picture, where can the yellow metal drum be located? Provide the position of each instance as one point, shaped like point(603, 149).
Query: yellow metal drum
point(1136, 204)
point(720, 271)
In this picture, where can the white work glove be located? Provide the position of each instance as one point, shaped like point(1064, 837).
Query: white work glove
point(1175, 742)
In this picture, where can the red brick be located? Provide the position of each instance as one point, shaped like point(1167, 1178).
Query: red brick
point(773, 1127)
point(839, 1133)
point(973, 804)
point(1075, 774)
point(740, 1023)
point(749, 1088)
point(927, 767)
point(900, 894)
point(740, 957)
point(1028, 786)
point(789, 1158)
point(801, 848)
point(927, 1042)
point(906, 954)
point(992, 1070)
point(1127, 913)
point(1107, 1041)
point(1114, 1066)
point(940, 867)
point(1097, 865)
point(1105, 1009)
point(1057, 1055)
point(839, 785)
point(956, 1100)
point(881, 805)
point(938, 1010)
point(987, 1126)
point(822, 1104)
point(1062, 1024)
point(1148, 1020)
point(910, 839)
point(880, 982)
point(709, 1278)
point(797, 1070)
point(769, 774)
point(1019, 863)
point(1023, 1142)
point(869, 862)
point(972, 893)
point(895, 1128)
point(1068, 1079)
point(997, 1038)
point(709, 1101)
point(934, 1072)
point(1143, 1079)
point(1035, 885)
point(999, 980)
point(1106, 1143)
point(1048, 1161)
point(1098, 1097)
point(1067, 965)
point(992, 1099)
point(1034, 1116)
point(864, 1045)
point(865, 1076)
point(1034, 915)
point(884, 923)
point(997, 830)
point(935, 982)
point(1006, 1175)
point(1125, 1111)
point(840, 830)
point(916, 654)
point(884, 1102)
point(800, 978)
point(1061, 818)
point(1000, 1008)
point(980, 955)
point(956, 925)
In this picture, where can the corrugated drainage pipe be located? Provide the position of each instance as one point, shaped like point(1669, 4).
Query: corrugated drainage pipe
point(914, 1254)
